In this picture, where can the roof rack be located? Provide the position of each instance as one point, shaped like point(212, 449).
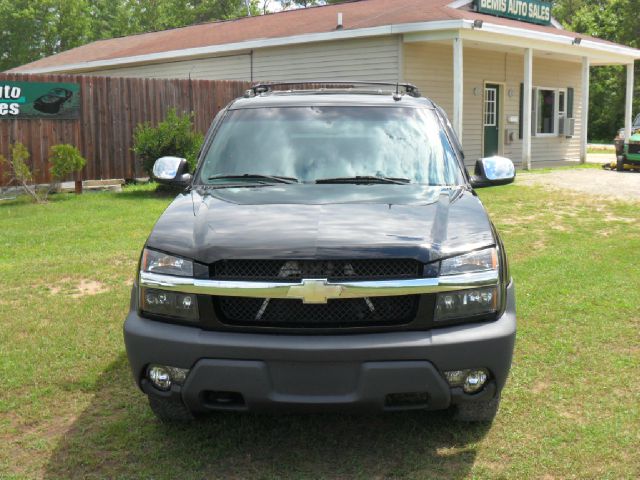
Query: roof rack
point(259, 88)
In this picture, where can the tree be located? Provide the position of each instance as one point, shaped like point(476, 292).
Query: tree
point(20, 173)
point(65, 159)
point(617, 21)
point(287, 4)
point(32, 29)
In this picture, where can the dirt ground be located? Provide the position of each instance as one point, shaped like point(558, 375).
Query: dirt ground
point(599, 183)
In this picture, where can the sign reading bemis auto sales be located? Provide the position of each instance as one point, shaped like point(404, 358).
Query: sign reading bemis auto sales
point(56, 101)
point(532, 11)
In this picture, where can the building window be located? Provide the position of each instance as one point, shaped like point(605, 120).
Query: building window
point(490, 104)
point(546, 112)
point(549, 110)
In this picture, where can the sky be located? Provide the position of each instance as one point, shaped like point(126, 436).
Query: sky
point(274, 5)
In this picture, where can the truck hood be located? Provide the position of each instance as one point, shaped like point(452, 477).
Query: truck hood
point(323, 221)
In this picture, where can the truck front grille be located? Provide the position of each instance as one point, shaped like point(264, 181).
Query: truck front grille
point(285, 313)
point(356, 312)
point(287, 270)
point(634, 148)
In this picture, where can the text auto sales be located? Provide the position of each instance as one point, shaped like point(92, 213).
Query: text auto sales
point(10, 100)
point(521, 8)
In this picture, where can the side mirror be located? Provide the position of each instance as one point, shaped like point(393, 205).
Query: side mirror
point(492, 171)
point(172, 171)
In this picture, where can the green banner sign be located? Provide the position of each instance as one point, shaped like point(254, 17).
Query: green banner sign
point(57, 101)
point(532, 11)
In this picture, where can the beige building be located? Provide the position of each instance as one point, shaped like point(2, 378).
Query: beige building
point(513, 82)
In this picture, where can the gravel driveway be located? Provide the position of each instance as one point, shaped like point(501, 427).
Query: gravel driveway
point(599, 183)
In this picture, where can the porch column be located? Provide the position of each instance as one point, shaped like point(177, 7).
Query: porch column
point(458, 83)
point(526, 108)
point(584, 118)
point(628, 111)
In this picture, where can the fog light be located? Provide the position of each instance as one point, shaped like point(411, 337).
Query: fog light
point(163, 376)
point(474, 381)
point(471, 381)
point(160, 377)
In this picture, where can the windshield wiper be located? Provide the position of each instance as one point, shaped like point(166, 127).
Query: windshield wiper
point(255, 176)
point(365, 179)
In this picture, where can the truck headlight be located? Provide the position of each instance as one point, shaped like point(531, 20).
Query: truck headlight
point(478, 261)
point(158, 262)
point(473, 302)
point(467, 303)
point(183, 306)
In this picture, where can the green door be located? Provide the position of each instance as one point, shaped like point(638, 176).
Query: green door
point(491, 119)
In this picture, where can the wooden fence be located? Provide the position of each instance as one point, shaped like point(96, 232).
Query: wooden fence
point(110, 110)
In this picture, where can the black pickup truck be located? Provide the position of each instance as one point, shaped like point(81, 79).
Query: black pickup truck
point(329, 252)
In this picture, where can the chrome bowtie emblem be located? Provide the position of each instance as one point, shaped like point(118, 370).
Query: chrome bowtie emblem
point(314, 291)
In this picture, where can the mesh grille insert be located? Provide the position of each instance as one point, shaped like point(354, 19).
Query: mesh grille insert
point(287, 270)
point(336, 313)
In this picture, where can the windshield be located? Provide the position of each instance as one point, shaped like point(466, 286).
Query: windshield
point(319, 143)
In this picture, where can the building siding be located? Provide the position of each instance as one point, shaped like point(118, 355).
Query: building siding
point(430, 67)
point(232, 67)
point(363, 59)
point(371, 59)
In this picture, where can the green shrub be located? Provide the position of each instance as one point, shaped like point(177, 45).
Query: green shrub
point(20, 173)
point(65, 159)
point(18, 163)
point(175, 136)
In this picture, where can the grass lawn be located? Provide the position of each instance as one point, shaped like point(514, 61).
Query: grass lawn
point(601, 148)
point(69, 408)
point(577, 166)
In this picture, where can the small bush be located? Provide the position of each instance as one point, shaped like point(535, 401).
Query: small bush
point(65, 159)
point(19, 157)
point(19, 171)
point(174, 136)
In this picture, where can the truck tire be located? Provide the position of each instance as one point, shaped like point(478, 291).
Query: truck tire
point(620, 163)
point(170, 411)
point(477, 412)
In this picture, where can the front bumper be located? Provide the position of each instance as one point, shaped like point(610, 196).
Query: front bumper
point(352, 371)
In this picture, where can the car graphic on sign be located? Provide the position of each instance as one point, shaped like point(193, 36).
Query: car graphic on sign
point(52, 102)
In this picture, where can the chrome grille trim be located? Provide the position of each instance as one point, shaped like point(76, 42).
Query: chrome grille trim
point(319, 290)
